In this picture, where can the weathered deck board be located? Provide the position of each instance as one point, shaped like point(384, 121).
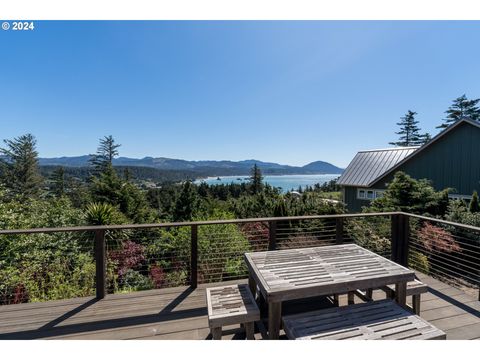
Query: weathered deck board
point(180, 313)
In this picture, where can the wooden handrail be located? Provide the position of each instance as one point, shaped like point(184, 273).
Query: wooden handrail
point(444, 222)
point(190, 223)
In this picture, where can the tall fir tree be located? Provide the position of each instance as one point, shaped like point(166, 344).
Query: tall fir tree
point(186, 203)
point(256, 179)
point(409, 131)
point(105, 183)
point(20, 166)
point(108, 187)
point(58, 182)
point(461, 107)
point(426, 137)
point(106, 152)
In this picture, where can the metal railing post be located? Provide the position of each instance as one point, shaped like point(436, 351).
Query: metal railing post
point(400, 230)
point(405, 240)
point(100, 264)
point(272, 235)
point(395, 235)
point(194, 256)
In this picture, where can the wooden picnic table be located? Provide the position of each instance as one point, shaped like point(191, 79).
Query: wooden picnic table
point(327, 270)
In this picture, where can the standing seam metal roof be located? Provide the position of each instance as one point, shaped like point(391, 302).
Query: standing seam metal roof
point(368, 165)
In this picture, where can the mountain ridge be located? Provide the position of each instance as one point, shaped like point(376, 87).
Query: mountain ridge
point(213, 167)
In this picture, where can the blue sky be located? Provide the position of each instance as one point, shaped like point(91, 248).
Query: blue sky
point(290, 92)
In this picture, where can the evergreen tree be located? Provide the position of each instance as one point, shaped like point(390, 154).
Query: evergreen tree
point(280, 209)
point(57, 178)
point(127, 174)
point(106, 152)
point(20, 166)
point(461, 107)
point(78, 192)
point(109, 188)
point(186, 203)
point(409, 131)
point(426, 138)
point(407, 194)
point(106, 187)
point(474, 203)
point(256, 179)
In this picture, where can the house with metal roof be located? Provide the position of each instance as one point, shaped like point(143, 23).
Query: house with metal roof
point(449, 160)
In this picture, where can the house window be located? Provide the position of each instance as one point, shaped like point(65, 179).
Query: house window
point(459, 197)
point(361, 194)
point(367, 194)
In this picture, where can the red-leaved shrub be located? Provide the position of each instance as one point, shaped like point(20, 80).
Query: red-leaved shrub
point(128, 257)
point(20, 294)
point(257, 234)
point(436, 239)
point(157, 275)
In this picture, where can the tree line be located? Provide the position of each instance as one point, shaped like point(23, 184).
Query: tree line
point(43, 267)
point(410, 132)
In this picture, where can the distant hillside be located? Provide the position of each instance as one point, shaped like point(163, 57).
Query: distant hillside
point(136, 173)
point(203, 167)
point(73, 161)
point(322, 167)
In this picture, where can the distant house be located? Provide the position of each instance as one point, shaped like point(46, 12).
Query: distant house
point(450, 160)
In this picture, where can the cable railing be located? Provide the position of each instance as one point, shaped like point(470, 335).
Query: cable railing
point(445, 250)
point(98, 260)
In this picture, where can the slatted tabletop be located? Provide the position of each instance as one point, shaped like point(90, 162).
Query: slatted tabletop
point(328, 270)
point(297, 273)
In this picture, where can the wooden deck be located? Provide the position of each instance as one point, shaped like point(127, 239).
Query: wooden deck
point(180, 313)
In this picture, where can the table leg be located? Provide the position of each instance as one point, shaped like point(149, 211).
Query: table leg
point(416, 304)
point(369, 293)
point(401, 293)
point(262, 305)
point(274, 320)
point(250, 330)
point(252, 285)
point(336, 301)
point(351, 298)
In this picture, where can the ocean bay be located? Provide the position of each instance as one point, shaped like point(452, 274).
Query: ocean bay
point(285, 182)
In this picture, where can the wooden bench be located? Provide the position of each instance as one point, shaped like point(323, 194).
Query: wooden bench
point(375, 320)
point(229, 305)
point(414, 289)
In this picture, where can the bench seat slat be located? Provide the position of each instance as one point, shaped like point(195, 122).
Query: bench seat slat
point(231, 304)
point(383, 319)
point(414, 287)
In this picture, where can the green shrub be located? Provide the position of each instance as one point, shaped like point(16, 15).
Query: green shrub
point(371, 233)
point(418, 261)
point(134, 281)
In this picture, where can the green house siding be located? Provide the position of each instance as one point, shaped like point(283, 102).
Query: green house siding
point(354, 204)
point(453, 161)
